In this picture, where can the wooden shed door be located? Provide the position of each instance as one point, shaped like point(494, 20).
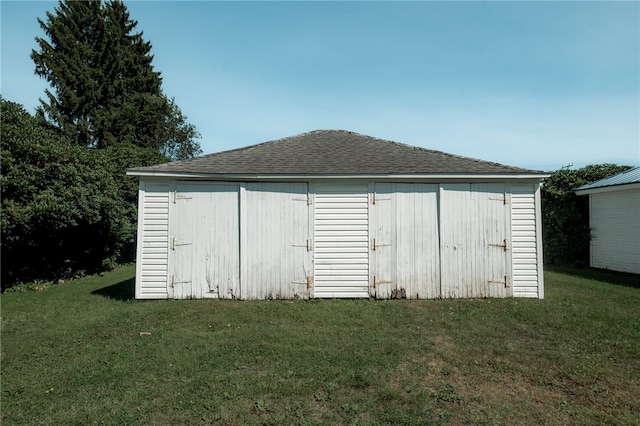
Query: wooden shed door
point(382, 230)
point(341, 249)
point(204, 240)
point(405, 259)
point(475, 245)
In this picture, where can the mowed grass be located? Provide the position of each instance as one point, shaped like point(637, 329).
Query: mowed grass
point(85, 353)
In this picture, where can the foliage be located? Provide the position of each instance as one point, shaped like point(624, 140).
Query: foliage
point(86, 353)
point(565, 216)
point(40, 285)
point(106, 91)
point(65, 208)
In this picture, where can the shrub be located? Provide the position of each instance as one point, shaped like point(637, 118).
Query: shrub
point(565, 216)
point(66, 209)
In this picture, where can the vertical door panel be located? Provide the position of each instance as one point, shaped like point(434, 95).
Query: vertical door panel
point(204, 243)
point(383, 240)
point(475, 240)
point(417, 241)
point(278, 242)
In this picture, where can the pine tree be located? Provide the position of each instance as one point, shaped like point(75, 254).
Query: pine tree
point(68, 63)
point(106, 90)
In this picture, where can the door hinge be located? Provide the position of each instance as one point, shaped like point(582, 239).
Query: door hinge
point(175, 281)
point(176, 242)
point(506, 198)
point(377, 283)
point(179, 196)
point(308, 281)
point(506, 281)
point(375, 198)
point(308, 245)
point(308, 199)
point(504, 245)
point(375, 244)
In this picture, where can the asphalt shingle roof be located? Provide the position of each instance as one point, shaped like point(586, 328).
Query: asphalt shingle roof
point(329, 152)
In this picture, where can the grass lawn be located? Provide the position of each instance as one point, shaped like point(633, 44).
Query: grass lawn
point(85, 353)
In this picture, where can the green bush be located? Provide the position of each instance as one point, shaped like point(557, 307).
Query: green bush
point(565, 216)
point(66, 210)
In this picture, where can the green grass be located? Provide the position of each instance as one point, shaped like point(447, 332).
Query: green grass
point(74, 354)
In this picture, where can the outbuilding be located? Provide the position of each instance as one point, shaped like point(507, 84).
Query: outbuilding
point(614, 220)
point(337, 214)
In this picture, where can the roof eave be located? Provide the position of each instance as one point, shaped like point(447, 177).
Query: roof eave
point(284, 177)
point(608, 188)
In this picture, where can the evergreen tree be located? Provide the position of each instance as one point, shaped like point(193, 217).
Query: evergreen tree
point(68, 63)
point(106, 90)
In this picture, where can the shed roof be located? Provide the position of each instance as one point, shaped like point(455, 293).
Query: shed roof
point(332, 152)
point(624, 178)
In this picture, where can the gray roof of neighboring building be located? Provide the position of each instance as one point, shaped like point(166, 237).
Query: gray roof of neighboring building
point(332, 152)
point(624, 178)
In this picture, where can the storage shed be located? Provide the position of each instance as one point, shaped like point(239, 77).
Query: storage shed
point(337, 214)
point(614, 219)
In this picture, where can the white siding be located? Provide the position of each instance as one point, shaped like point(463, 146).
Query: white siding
point(153, 240)
point(615, 230)
point(204, 240)
point(524, 233)
point(257, 240)
point(473, 224)
point(276, 241)
point(341, 247)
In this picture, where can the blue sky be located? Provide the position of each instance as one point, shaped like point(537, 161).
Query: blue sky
point(531, 84)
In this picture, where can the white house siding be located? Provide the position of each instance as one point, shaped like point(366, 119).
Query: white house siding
point(276, 240)
point(341, 248)
point(474, 228)
point(153, 240)
point(525, 232)
point(204, 240)
point(615, 230)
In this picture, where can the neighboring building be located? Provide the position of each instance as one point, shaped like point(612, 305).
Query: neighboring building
point(614, 219)
point(332, 213)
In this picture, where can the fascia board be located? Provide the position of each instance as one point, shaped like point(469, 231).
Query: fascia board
point(390, 177)
point(611, 188)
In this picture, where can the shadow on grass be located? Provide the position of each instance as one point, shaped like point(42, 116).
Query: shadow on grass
point(603, 275)
point(123, 290)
